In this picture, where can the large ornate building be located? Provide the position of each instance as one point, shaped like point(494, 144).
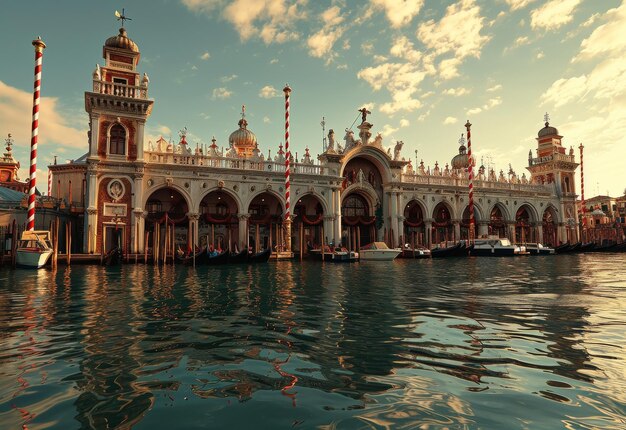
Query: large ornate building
point(149, 193)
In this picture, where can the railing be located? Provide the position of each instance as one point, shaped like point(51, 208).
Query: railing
point(478, 184)
point(121, 90)
point(220, 162)
point(556, 157)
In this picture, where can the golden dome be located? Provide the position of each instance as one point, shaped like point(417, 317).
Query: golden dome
point(461, 160)
point(243, 139)
point(122, 41)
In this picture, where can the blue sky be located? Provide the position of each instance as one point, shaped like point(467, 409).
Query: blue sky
point(423, 67)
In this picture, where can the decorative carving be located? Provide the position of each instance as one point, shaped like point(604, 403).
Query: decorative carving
point(397, 149)
point(116, 189)
point(150, 182)
point(169, 181)
point(186, 184)
point(220, 184)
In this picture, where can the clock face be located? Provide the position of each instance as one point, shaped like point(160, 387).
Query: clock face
point(5, 176)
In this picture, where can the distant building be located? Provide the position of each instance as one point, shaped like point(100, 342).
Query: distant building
point(356, 192)
point(9, 168)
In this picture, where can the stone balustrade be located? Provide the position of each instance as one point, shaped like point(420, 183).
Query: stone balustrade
point(120, 90)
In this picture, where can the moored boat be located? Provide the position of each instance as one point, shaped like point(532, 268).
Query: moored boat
point(495, 247)
point(459, 249)
point(113, 257)
point(539, 249)
point(238, 257)
point(417, 252)
point(33, 249)
point(260, 257)
point(378, 251)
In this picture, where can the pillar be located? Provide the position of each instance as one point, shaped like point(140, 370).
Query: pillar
point(428, 226)
point(243, 229)
point(483, 228)
point(337, 212)
point(393, 218)
point(91, 220)
point(540, 232)
point(328, 230)
point(93, 138)
point(457, 230)
point(139, 139)
point(511, 230)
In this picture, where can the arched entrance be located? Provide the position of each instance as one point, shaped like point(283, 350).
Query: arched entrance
point(357, 222)
point(166, 223)
point(443, 230)
point(218, 226)
point(265, 225)
point(465, 223)
point(414, 229)
point(308, 223)
point(523, 226)
point(549, 227)
point(497, 223)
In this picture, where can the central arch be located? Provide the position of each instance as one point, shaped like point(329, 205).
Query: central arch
point(414, 227)
point(308, 222)
point(358, 221)
point(218, 225)
point(265, 225)
point(442, 230)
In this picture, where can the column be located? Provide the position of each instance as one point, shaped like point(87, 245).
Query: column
point(393, 218)
point(511, 230)
point(91, 220)
point(93, 138)
point(428, 230)
point(139, 139)
point(137, 231)
point(243, 230)
point(337, 211)
point(483, 228)
point(400, 222)
point(328, 230)
point(193, 229)
point(457, 229)
point(539, 232)
point(561, 233)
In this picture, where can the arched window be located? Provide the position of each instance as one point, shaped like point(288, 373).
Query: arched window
point(355, 205)
point(117, 140)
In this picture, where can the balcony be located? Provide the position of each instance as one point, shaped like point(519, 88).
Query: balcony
point(120, 90)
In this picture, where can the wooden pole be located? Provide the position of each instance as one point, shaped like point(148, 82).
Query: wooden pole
point(301, 239)
point(56, 243)
point(145, 247)
point(69, 246)
point(322, 241)
point(15, 233)
point(193, 242)
point(358, 238)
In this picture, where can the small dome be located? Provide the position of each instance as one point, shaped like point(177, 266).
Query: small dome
point(460, 161)
point(243, 138)
point(548, 131)
point(122, 41)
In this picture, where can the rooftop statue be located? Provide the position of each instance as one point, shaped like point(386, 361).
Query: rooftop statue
point(397, 149)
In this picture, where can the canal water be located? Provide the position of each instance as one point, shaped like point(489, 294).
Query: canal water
point(504, 343)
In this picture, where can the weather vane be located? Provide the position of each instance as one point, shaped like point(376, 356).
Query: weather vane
point(462, 140)
point(323, 124)
point(243, 111)
point(546, 118)
point(122, 17)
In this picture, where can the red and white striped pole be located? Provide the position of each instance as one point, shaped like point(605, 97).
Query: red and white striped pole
point(287, 91)
point(39, 47)
point(583, 205)
point(470, 169)
point(49, 183)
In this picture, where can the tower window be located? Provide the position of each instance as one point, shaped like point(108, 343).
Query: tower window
point(117, 140)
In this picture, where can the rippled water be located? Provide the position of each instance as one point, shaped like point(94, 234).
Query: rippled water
point(469, 343)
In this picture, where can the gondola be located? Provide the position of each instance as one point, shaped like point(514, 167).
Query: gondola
point(568, 248)
point(214, 260)
point(113, 257)
point(607, 247)
point(238, 257)
point(260, 257)
point(188, 260)
point(586, 247)
point(457, 250)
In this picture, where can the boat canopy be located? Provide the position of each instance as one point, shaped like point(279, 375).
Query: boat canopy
point(375, 245)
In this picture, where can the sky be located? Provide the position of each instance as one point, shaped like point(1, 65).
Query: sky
point(422, 67)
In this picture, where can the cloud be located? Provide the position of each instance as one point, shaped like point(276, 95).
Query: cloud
point(57, 127)
point(367, 48)
point(205, 56)
point(321, 43)
point(404, 122)
point(266, 120)
point(450, 120)
point(274, 61)
point(403, 48)
point(399, 12)
point(221, 93)
point(457, 33)
point(225, 79)
point(456, 92)
point(609, 38)
point(388, 130)
point(518, 4)
point(563, 91)
point(496, 87)
point(273, 21)
point(400, 79)
point(553, 14)
point(540, 55)
point(491, 103)
point(268, 92)
point(164, 130)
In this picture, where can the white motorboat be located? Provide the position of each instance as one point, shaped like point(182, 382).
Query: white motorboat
point(539, 249)
point(378, 251)
point(496, 247)
point(33, 249)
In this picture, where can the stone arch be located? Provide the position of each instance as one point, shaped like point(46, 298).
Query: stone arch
point(442, 227)
point(265, 223)
point(230, 193)
point(525, 224)
point(372, 154)
point(309, 211)
point(320, 198)
point(447, 205)
point(465, 221)
point(549, 225)
point(281, 199)
point(367, 192)
point(358, 217)
point(174, 187)
point(498, 219)
point(530, 208)
point(415, 214)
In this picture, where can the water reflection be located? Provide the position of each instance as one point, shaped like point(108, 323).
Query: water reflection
point(440, 343)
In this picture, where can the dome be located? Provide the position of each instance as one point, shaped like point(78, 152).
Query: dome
point(548, 131)
point(121, 41)
point(460, 161)
point(243, 138)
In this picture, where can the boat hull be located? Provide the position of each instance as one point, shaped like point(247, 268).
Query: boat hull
point(493, 252)
point(379, 254)
point(32, 259)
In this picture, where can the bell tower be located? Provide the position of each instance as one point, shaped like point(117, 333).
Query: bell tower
point(554, 165)
point(118, 107)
